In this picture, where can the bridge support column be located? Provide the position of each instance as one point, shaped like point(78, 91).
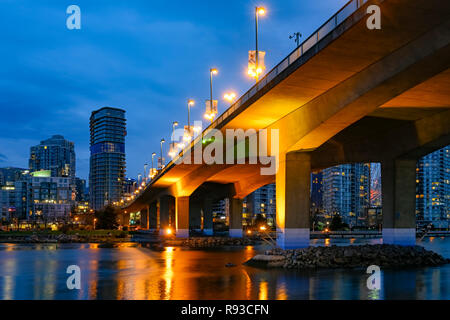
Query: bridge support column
point(144, 218)
point(166, 209)
point(293, 200)
point(398, 182)
point(153, 216)
point(182, 217)
point(208, 216)
point(195, 214)
point(236, 206)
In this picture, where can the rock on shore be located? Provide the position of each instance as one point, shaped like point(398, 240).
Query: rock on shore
point(211, 242)
point(348, 257)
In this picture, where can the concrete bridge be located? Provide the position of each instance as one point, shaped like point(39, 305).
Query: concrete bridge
point(347, 94)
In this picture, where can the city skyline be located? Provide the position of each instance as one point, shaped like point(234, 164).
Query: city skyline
point(137, 83)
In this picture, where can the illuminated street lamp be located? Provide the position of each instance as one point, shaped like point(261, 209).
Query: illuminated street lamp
point(152, 173)
point(211, 110)
point(145, 172)
point(258, 67)
point(172, 151)
point(190, 104)
point(162, 159)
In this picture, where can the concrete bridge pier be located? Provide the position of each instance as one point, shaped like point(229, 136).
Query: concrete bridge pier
point(293, 200)
point(144, 218)
point(235, 223)
point(166, 210)
point(182, 217)
point(208, 216)
point(398, 182)
point(153, 216)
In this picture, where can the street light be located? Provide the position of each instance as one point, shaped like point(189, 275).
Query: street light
point(190, 104)
point(153, 170)
point(211, 113)
point(172, 148)
point(162, 159)
point(188, 132)
point(258, 11)
point(145, 172)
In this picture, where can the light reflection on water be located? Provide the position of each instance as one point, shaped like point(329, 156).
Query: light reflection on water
point(129, 272)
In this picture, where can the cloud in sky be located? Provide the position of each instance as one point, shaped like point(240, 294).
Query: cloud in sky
point(144, 56)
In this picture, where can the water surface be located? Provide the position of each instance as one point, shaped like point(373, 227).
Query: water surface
point(38, 271)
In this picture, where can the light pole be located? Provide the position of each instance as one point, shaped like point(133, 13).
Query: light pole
point(188, 133)
point(145, 172)
point(153, 170)
point(162, 161)
point(174, 124)
point(258, 11)
point(211, 115)
point(190, 103)
point(172, 151)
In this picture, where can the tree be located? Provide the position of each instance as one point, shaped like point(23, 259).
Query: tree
point(106, 218)
point(336, 223)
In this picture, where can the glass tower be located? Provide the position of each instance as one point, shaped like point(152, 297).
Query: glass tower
point(107, 162)
point(55, 154)
point(433, 188)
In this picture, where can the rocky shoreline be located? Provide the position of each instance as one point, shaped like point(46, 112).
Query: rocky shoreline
point(356, 256)
point(213, 242)
point(63, 238)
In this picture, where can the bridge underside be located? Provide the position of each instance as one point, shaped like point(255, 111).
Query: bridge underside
point(361, 96)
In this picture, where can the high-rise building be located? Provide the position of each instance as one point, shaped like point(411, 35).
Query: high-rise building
point(433, 188)
point(346, 191)
point(80, 190)
point(10, 174)
point(317, 193)
point(107, 162)
point(261, 202)
point(56, 154)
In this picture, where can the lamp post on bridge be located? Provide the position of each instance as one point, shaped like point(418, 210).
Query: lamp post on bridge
point(153, 168)
point(211, 113)
point(188, 132)
point(258, 11)
point(162, 159)
point(172, 151)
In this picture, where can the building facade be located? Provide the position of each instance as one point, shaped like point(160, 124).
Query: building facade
point(55, 154)
point(346, 191)
point(433, 188)
point(107, 161)
point(261, 202)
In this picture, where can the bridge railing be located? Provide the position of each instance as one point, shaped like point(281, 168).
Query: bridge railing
point(330, 25)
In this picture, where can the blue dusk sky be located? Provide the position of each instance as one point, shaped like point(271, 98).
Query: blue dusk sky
point(147, 57)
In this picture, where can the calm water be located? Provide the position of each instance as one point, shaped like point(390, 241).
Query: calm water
point(129, 272)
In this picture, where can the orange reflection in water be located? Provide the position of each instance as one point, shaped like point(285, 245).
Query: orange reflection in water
point(263, 290)
point(168, 272)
